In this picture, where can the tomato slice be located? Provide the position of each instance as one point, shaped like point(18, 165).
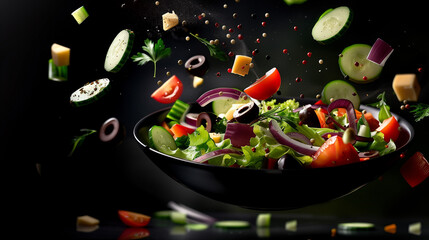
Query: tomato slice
point(390, 128)
point(169, 92)
point(334, 152)
point(133, 219)
point(415, 170)
point(265, 86)
point(180, 130)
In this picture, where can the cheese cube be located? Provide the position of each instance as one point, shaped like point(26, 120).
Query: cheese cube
point(60, 55)
point(87, 221)
point(169, 20)
point(197, 81)
point(241, 65)
point(406, 87)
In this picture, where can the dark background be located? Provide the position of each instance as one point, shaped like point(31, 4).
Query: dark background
point(37, 122)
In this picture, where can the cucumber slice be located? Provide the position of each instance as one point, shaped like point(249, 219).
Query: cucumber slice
point(57, 73)
point(178, 218)
point(119, 51)
point(339, 89)
point(364, 131)
point(356, 226)
point(160, 139)
point(222, 105)
point(263, 220)
point(355, 65)
point(178, 109)
point(80, 14)
point(232, 224)
point(90, 92)
point(332, 24)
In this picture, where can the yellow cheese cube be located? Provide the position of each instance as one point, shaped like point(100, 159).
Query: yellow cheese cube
point(216, 137)
point(60, 55)
point(241, 65)
point(230, 113)
point(197, 81)
point(169, 20)
point(87, 221)
point(406, 87)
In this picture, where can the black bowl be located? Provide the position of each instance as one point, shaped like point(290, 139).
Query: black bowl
point(266, 188)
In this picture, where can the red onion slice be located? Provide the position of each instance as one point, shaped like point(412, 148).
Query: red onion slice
point(284, 139)
point(299, 137)
point(107, 136)
point(239, 134)
point(215, 153)
point(219, 93)
point(380, 52)
point(191, 118)
point(351, 114)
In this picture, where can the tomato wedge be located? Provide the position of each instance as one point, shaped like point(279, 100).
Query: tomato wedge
point(415, 170)
point(133, 219)
point(265, 86)
point(390, 128)
point(334, 152)
point(169, 92)
point(180, 130)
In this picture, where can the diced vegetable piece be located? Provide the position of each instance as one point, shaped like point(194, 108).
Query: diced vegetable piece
point(415, 170)
point(406, 87)
point(291, 2)
point(354, 64)
point(57, 73)
point(119, 51)
point(239, 133)
point(178, 217)
point(163, 214)
point(216, 137)
point(133, 219)
point(332, 24)
point(380, 52)
point(339, 89)
point(169, 20)
point(232, 224)
point(198, 81)
point(169, 91)
point(80, 14)
point(263, 220)
point(160, 138)
point(266, 86)
point(218, 94)
point(241, 65)
point(334, 152)
point(391, 228)
point(196, 226)
point(372, 122)
point(291, 225)
point(356, 226)
point(90, 92)
point(415, 228)
point(87, 220)
point(390, 129)
point(180, 130)
point(60, 55)
point(178, 110)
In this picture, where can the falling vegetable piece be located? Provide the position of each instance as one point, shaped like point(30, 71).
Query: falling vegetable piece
point(169, 91)
point(90, 92)
point(78, 141)
point(178, 110)
point(57, 73)
point(380, 52)
point(263, 220)
point(119, 51)
point(291, 2)
point(332, 24)
point(291, 225)
point(153, 52)
point(415, 228)
point(80, 14)
point(266, 86)
point(109, 130)
point(232, 224)
point(390, 128)
point(415, 170)
point(420, 111)
point(214, 50)
point(391, 228)
point(178, 217)
point(133, 219)
point(356, 226)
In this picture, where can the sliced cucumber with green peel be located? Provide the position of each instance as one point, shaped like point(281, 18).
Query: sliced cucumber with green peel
point(222, 105)
point(355, 65)
point(90, 92)
point(178, 109)
point(178, 217)
point(263, 220)
point(356, 226)
point(340, 89)
point(119, 51)
point(160, 139)
point(232, 224)
point(332, 24)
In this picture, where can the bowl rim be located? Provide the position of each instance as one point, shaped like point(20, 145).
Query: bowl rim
point(402, 121)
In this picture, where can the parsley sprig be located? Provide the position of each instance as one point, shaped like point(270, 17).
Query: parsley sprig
point(153, 53)
point(420, 111)
point(215, 51)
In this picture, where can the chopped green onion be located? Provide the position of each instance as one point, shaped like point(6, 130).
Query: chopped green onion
point(57, 73)
point(80, 14)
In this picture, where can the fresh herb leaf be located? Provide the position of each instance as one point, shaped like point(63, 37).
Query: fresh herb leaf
point(215, 51)
point(420, 111)
point(384, 112)
point(153, 53)
point(78, 140)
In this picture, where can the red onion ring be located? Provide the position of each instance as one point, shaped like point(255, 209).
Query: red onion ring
point(215, 153)
point(107, 137)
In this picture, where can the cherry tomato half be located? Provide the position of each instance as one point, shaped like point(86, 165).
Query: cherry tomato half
point(334, 152)
point(133, 219)
point(390, 128)
point(180, 130)
point(265, 86)
point(169, 92)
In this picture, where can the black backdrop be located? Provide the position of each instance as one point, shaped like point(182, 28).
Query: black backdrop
point(37, 122)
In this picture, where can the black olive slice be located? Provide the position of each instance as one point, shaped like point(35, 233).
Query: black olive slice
point(197, 65)
point(246, 113)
